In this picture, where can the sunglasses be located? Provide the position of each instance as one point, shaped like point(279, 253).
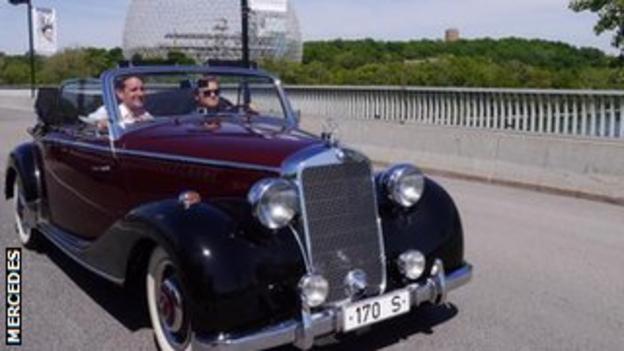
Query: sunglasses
point(210, 92)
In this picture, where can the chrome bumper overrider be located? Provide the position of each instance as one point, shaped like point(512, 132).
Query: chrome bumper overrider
point(304, 331)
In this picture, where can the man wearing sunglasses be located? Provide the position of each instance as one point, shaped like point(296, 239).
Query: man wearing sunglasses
point(208, 98)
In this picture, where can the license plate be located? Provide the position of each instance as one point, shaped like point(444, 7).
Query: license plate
point(375, 309)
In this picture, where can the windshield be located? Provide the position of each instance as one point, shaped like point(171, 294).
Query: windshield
point(144, 96)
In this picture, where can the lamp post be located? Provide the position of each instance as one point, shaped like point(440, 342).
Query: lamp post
point(245, 31)
point(30, 40)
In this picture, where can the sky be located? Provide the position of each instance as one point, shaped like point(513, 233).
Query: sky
point(100, 23)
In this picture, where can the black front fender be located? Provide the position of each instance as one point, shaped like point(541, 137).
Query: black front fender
point(231, 281)
point(23, 164)
point(433, 226)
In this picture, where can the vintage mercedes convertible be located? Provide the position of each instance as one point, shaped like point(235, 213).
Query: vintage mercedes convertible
point(244, 231)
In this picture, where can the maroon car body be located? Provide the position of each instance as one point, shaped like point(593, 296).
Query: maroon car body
point(191, 202)
point(106, 187)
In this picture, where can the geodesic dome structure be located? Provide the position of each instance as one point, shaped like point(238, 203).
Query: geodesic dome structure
point(209, 29)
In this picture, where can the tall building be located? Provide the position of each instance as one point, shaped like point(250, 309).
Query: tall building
point(209, 29)
point(451, 35)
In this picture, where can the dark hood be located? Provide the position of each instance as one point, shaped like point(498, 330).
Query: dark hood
point(228, 139)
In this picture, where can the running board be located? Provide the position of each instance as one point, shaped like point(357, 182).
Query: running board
point(75, 248)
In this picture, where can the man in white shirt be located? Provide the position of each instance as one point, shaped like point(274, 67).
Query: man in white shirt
point(131, 92)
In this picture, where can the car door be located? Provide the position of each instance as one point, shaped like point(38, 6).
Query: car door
point(85, 191)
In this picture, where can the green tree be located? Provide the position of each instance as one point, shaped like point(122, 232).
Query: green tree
point(115, 56)
point(70, 63)
point(15, 72)
point(610, 17)
point(2, 64)
point(509, 62)
point(179, 58)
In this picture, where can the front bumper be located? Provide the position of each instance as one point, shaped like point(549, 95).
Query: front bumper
point(302, 332)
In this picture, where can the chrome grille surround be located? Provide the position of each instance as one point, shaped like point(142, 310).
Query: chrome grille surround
point(344, 233)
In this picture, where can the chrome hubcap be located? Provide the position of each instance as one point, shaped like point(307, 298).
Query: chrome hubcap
point(170, 306)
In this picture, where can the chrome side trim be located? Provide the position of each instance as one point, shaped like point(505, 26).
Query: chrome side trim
point(169, 157)
point(302, 332)
point(290, 166)
point(203, 161)
point(301, 249)
point(79, 144)
point(69, 246)
point(76, 193)
point(382, 244)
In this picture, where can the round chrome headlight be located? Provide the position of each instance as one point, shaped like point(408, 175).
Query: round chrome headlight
point(404, 184)
point(275, 202)
point(412, 264)
point(314, 289)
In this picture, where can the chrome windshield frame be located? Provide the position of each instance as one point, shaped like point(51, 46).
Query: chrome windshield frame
point(109, 98)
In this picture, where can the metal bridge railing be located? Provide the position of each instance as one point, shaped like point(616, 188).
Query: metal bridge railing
point(587, 113)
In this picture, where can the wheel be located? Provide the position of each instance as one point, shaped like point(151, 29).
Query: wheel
point(165, 302)
point(23, 226)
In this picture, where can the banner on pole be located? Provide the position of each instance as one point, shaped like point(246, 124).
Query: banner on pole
point(44, 30)
point(269, 5)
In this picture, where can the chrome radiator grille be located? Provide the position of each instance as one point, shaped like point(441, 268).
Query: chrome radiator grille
point(341, 224)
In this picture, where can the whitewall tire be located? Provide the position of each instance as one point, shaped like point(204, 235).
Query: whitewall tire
point(165, 302)
point(25, 231)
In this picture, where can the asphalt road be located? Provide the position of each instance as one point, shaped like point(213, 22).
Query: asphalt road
point(548, 276)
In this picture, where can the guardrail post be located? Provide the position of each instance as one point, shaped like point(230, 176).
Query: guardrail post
point(430, 110)
point(458, 102)
point(549, 113)
point(487, 111)
point(594, 117)
point(436, 108)
point(496, 101)
point(612, 118)
point(603, 117)
point(445, 109)
point(473, 115)
point(584, 116)
point(575, 125)
point(517, 114)
point(540, 122)
point(622, 118)
point(533, 113)
point(525, 113)
point(460, 109)
point(558, 114)
point(566, 119)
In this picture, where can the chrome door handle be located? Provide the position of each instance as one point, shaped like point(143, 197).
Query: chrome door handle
point(101, 169)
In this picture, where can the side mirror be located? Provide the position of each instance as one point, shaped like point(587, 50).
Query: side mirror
point(46, 105)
